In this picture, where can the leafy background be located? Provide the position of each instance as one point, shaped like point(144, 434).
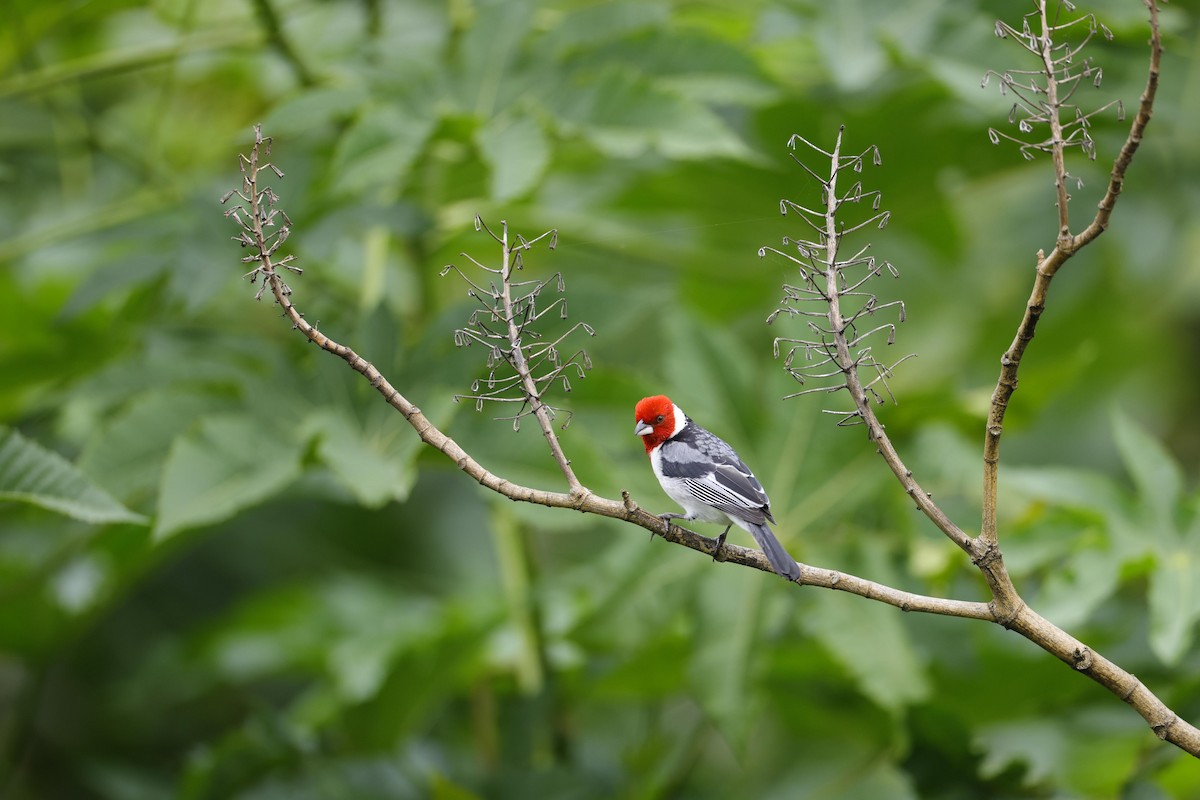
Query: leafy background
point(228, 571)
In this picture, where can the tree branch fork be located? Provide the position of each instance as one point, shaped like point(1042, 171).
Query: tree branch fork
point(1006, 608)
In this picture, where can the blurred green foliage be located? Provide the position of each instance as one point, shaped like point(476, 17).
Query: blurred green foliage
point(261, 586)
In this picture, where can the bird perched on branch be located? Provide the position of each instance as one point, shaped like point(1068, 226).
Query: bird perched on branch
point(703, 474)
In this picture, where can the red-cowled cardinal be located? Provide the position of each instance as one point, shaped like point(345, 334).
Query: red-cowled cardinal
point(703, 474)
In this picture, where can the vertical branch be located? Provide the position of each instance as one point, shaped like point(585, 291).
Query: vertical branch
point(1137, 128)
point(1047, 267)
point(832, 290)
point(506, 326)
point(848, 365)
point(837, 348)
point(521, 365)
point(1054, 118)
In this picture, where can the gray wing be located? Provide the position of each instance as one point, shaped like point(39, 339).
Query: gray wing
point(715, 475)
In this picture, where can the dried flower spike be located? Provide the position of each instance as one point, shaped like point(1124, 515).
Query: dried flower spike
point(523, 363)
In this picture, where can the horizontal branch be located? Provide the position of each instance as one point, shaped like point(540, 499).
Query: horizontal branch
point(1165, 723)
point(585, 501)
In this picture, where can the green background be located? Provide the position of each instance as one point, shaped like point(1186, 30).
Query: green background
point(312, 605)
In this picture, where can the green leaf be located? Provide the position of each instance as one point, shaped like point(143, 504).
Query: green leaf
point(489, 72)
point(380, 146)
point(226, 465)
point(1074, 590)
point(1154, 471)
point(517, 153)
point(1054, 754)
point(834, 768)
point(376, 467)
point(1076, 489)
point(872, 644)
point(696, 65)
point(585, 27)
point(1039, 745)
point(29, 473)
point(708, 373)
point(320, 778)
point(128, 453)
point(442, 788)
point(730, 608)
point(625, 115)
point(312, 108)
point(112, 278)
point(1174, 604)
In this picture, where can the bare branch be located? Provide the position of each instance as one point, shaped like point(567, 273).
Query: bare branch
point(1054, 117)
point(578, 498)
point(1007, 608)
point(1046, 268)
point(1045, 96)
point(849, 367)
point(515, 304)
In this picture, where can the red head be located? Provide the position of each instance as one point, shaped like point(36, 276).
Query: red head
point(656, 420)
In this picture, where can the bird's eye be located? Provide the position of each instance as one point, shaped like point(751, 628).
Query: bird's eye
point(659, 419)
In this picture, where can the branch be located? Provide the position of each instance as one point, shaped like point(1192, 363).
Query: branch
point(258, 220)
point(514, 303)
point(837, 344)
point(1166, 724)
point(521, 366)
point(1057, 143)
point(1047, 267)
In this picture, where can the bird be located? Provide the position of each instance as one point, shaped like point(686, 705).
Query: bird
point(704, 475)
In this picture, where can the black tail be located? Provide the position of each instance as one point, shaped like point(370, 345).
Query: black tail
point(781, 562)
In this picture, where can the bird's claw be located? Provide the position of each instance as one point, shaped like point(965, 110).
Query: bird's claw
point(720, 544)
point(667, 519)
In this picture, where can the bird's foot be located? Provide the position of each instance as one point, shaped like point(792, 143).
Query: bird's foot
point(720, 544)
point(667, 519)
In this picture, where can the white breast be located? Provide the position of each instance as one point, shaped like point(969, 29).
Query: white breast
point(677, 490)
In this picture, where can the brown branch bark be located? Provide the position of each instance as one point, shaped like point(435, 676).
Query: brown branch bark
point(845, 362)
point(1057, 142)
point(1164, 722)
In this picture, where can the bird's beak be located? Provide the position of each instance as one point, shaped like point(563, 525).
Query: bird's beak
point(642, 428)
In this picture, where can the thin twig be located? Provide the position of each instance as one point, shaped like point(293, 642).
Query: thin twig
point(1057, 143)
